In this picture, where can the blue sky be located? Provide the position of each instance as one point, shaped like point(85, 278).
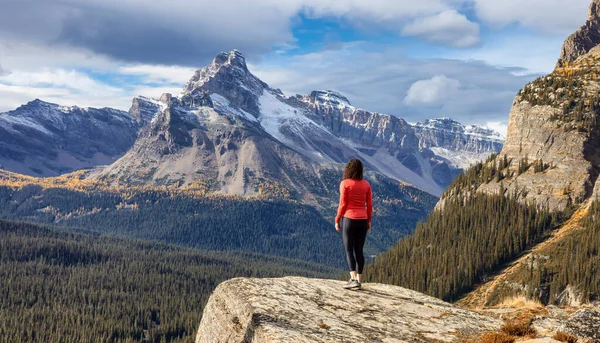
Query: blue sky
point(464, 59)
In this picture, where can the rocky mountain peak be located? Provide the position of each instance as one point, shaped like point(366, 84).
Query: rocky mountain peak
point(584, 39)
point(234, 58)
point(328, 97)
point(228, 76)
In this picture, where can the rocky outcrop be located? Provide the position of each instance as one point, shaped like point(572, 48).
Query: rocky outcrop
point(585, 324)
point(297, 310)
point(143, 109)
point(44, 139)
point(584, 39)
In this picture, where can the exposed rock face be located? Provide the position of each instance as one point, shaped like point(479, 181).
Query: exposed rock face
point(143, 109)
point(296, 310)
point(461, 145)
point(583, 40)
point(43, 139)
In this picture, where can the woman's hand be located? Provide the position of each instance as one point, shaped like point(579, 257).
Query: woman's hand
point(337, 227)
point(369, 227)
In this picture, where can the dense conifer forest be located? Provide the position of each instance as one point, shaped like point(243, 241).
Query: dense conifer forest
point(573, 261)
point(267, 225)
point(59, 286)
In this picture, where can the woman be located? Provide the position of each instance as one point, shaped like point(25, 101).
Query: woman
point(354, 213)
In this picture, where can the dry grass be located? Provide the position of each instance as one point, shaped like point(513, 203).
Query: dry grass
point(519, 329)
point(565, 337)
point(496, 337)
point(324, 326)
point(520, 302)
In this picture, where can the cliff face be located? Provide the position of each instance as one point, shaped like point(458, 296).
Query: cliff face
point(298, 310)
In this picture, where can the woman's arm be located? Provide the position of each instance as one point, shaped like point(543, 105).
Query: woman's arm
point(369, 204)
point(343, 203)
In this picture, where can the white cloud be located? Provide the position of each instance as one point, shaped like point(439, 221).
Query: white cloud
point(190, 30)
point(501, 127)
point(552, 16)
point(159, 73)
point(534, 54)
point(15, 96)
point(448, 27)
point(59, 78)
point(3, 71)
point(432, 92)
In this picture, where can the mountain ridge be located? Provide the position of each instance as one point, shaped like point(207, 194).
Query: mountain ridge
point(45, 139)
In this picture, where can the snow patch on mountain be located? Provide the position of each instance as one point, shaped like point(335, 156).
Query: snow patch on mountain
point(277, 115)
point(463, 159)
point(221, 104)
point(12, 122)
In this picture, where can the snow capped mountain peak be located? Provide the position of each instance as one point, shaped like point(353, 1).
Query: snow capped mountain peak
point(450, 125)
point(328, 97)
point(227, 67)
point(445, 123)
point(229, 77)
point(234, 58)
point(484, 132)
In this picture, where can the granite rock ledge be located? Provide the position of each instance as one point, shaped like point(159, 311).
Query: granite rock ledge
point(295, 310)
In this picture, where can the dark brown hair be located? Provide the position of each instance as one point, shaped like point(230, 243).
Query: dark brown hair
point(353, 170)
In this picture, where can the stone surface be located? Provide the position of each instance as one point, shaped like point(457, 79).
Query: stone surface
point(295, 310)
point(585, 324)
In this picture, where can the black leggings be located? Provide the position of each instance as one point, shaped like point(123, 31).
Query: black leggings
point(354, 233)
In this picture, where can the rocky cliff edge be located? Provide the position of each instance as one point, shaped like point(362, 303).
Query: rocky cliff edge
point(298, 310)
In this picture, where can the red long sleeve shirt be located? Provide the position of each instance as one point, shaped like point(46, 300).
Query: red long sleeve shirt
point(356, 200)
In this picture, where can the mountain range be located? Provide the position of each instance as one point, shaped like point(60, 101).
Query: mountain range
point(233, 133)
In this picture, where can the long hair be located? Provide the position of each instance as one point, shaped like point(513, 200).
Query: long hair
point(353, 170)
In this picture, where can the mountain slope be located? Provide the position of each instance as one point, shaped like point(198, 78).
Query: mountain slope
point(507, 226)
point(43, 139)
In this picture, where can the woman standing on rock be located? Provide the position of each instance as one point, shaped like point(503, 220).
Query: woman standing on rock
point(354, 218)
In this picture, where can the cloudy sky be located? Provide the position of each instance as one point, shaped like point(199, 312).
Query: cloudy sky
point(464, 59)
